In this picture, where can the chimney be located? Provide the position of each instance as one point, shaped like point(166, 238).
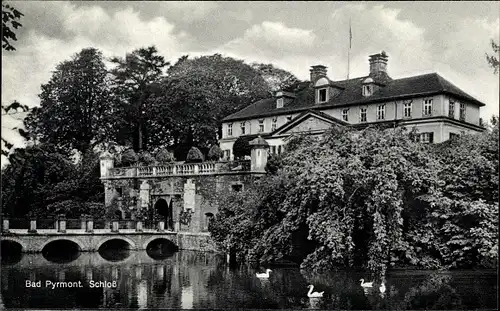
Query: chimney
point(378, 63)
point(317, 72)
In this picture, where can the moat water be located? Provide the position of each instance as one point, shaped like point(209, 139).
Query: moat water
point(197, 280)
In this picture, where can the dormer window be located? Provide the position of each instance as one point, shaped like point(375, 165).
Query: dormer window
point(322, 95)
point(279, 103)
point(322, 86)
point(367, 89)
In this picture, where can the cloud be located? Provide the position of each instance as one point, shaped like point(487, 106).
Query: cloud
point(272, 39)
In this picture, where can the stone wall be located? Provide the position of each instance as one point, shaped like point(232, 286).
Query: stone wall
point(194, 195)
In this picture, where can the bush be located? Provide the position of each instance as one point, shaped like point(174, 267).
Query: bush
point(215, 153)
point(146, 158)
point(129, 157)
point(194, 155)
point(165, 156)
point(241, 147)
point(274, 163)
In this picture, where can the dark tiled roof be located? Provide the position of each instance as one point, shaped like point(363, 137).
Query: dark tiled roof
point(423, 85)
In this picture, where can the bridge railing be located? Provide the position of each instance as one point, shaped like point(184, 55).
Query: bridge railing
point(48, 225)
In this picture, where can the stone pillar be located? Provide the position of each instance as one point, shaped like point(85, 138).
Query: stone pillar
point(83, 222)
point(62, 224)
point(107, 163)
point(5, 224)
point(32, 225)
point(115, 226)
point(259, 155)
point(144, 194)
point(90, 225)
point(161, 226)
point(138, 225)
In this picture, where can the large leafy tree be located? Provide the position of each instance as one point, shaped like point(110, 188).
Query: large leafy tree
point(136, 78)
point(276, 78)
point(44, 182)
point(75, 104)
point(202, 91)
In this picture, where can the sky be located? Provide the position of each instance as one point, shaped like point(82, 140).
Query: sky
point(450, 38)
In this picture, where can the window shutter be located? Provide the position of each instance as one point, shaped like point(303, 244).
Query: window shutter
point(431, 137)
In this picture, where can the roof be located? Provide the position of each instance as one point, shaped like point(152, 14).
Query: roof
point(422, 85)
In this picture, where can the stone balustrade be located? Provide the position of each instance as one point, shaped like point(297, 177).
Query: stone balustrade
point(203, 168)
point(87, 226)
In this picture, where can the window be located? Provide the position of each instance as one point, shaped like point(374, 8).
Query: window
point(279, 149)
point(279, 103)
point(261, 125)
point(367, 90)
point(380, 112)
point(322, 95)
point(427, 137)
point(454, 135)
point(237, 188)
point(226, 154)
point(243, 129)
point(462, 112)
point(451, 109)
point(362, 115)
point(407, 109)
point(273, 125)
point(427, 107)
point(273, 149)
point(345, 114)
point(119, 191)
point(230, 129)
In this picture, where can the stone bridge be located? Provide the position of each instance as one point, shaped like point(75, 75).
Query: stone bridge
point(92, 241)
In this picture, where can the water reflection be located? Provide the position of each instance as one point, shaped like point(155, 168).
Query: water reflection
point(61, 251)
point(187, 280)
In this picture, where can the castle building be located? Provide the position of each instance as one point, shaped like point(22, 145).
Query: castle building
point(435, 107)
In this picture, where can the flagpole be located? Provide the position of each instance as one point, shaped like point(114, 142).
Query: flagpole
point(349, 50)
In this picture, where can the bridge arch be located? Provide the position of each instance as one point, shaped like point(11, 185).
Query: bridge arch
point(71, 239)
point(15, 240)
point(132, 244)
point(170, 238)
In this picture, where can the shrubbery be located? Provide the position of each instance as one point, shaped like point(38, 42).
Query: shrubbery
point(194, 155)
point(215, 153)
point(372, 198)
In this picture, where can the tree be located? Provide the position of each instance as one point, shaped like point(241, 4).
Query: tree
point(75, 109)
point(276, 78)
point(33, 174)
point(241, 147)
point(10, 23)
point(135, 80)
point(44, 182)
point(493, 59)
point(200, 92)
point(164, 156)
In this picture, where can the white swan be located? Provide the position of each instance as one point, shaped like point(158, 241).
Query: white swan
point(310, 294)
point(367, 284)
point(263, 275)
point(382, 288)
